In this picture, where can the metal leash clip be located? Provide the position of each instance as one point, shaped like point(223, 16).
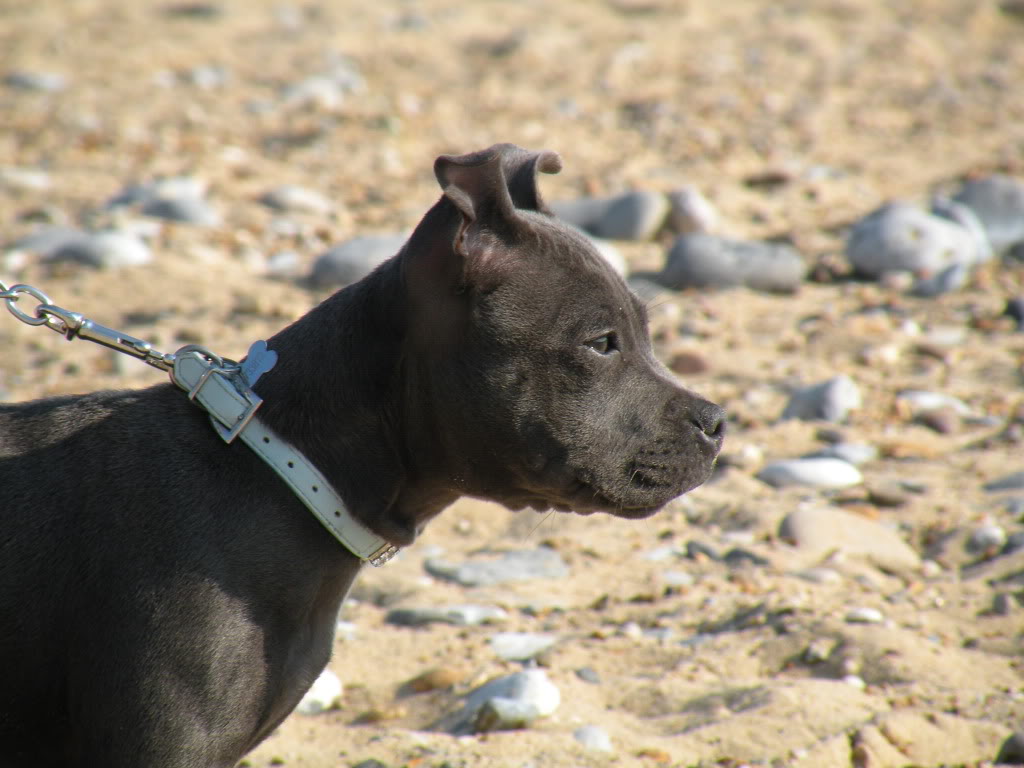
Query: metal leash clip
point(241, 378)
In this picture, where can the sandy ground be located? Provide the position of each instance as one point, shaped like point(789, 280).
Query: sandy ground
point(846, 103)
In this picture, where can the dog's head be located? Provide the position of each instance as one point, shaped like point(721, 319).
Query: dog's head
point(534, 380)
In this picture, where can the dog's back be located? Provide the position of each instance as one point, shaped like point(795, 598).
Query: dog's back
point(126, 531)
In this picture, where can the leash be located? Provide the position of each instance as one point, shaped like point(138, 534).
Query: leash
point(223, 388)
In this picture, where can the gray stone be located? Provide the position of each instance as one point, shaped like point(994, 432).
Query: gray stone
point(1015, 310)
point(322, 695)
point(854, 453)
point(520, 565)
point(825, 473)
point(1011, 751)
point(44, 82)
point(189, 210)
point(318, 91)
point(509, 702)
point(947, 280)
point(1011, 482)
point(830, 400)
point(170, 188)
point(998, 202)
point(588, 675)
point(690, 211)
point(459, 615)
point(1005, 604)
point(1014, 543)
point(986, 538)
point(104, 250)
point(520, 646)
point(919, 401)
point(46, 241)
point(593, 737)
point(700, 260)
point(965, 216)
point(899, 237)
point(818, 532)
point(290, 197)
point(864, 616)
point(354, 259)
point(634, 215)
point(30, 179)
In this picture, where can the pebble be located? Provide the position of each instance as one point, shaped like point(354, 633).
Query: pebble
point(689, 211)
point(104, 250)
point(695, 550)
point(520, 646)
point(677, 579)
point(588, 675)
point(634, 215)
point(821, 575)
point(1005, 604)
point(814, 473)
point(853, 453)
point(354, 259)
point(918, 401)
point(945, 420)
point(316, 92)
point(855, 681)
point(1011, 751)
point(290, 197)
point(887, 494)
point(169, 188)
point(434, 679)
point(864, 616)
point(458, 615)
point(322, 695)
point(505, 703)
point(1012, 482)
point(823, 530)
point(24, 179)
point(1015, 311)
point(988, 538)
point(819, 649)
point(738, 556)
point(520, 565)
point(593, 737)
point(43, 82)
point(965, 216)
point(189, 210)
point(1014, 543)
point(899, 237)
point(46, 241)
point(831, 400)
point(998, 202)
point(699, 260)
point(947, 280)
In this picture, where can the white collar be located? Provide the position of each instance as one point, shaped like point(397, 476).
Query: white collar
point(224, 389)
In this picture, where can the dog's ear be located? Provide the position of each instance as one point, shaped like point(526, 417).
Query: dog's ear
point(495, 180)
point(475, 184)
point(521, 167)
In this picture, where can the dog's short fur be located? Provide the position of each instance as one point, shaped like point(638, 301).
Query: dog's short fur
point(165, 600)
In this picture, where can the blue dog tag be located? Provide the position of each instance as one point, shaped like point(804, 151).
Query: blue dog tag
point(258, 361)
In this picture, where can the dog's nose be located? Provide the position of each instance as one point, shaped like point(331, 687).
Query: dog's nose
point(709, 419)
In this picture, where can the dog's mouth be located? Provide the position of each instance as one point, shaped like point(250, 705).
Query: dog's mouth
point(639, 493)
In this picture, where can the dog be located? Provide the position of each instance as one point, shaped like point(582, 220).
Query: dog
point(166, 599)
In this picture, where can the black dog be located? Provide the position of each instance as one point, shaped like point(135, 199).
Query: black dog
point(166, 600)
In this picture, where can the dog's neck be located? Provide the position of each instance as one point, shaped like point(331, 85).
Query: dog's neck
point(339, 394)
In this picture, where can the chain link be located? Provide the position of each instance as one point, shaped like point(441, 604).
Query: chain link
point(72, 325)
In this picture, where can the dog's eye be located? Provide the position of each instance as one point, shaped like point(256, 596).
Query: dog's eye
point(603, 345)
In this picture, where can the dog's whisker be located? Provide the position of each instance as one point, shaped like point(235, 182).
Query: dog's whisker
point(538, 525)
